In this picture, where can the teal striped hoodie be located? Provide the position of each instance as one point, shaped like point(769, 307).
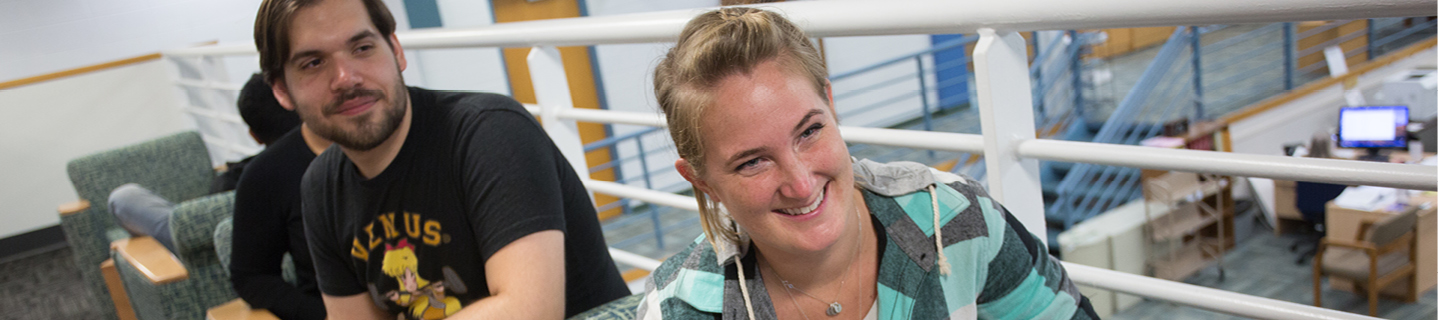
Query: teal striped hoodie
point(997, 269)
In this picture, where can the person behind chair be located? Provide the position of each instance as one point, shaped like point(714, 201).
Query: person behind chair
point(431, 204)
point(142, 212)
point(268, 224)
point(796, 228)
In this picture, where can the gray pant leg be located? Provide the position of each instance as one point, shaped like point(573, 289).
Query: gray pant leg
point(142, 212)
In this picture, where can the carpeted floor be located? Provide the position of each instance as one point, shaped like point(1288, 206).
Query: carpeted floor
point(44, 285)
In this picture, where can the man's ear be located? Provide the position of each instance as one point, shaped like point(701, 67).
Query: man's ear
point(282, 94)
point(398, 51)
point(256, 137)
point(687, 171)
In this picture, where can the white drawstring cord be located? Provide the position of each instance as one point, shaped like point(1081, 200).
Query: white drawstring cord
point(744, 287)
point(938, 233)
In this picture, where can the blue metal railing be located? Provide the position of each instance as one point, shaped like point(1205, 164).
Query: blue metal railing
point(1169, 89)
point(1074, 205)
point(1244, 68)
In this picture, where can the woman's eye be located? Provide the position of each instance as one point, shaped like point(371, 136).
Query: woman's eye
point(747, 164)
point(812, 130)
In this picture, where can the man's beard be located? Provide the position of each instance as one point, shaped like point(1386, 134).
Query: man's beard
point(367, 135)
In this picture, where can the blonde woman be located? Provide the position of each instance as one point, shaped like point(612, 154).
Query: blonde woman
point(797, 229)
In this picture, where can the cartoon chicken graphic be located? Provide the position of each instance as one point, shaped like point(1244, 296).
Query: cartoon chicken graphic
point(424, 299)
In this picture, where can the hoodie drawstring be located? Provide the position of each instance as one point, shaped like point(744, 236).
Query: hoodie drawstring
point(744, 287)
point(938, 233)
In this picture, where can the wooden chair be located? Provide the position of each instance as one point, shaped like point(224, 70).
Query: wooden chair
point(1380, 255)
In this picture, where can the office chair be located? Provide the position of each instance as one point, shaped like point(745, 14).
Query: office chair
point(1311, 199)
point(1380, 255)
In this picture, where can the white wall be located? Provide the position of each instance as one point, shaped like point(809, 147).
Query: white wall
point(53, 35)
point(470, 69)
point(53, 122)
point(71, 117)
point(850, 53)
point(1297, 120)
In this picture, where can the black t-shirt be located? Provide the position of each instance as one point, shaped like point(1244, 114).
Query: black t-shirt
point(475, 173)
point(267, 224)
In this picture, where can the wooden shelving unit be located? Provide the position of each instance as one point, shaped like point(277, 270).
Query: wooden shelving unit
point(1181, 206)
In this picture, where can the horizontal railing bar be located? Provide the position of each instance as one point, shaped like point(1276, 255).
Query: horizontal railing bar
point(208, 84)
point(1401, 33)
point(939, 141)
point(1330, 42)
point(1250, 35)
point(864, 18)
point(1177, 292)
point(1253, 52)
point(610, 116)
point(615, 140)
point(229, 145)
point(869, 88)
point(1403, 176)
point(633, 260)
point(1199, 297)
point(642, 194)
point(212, 114)
point(1322, 28)
point(962, 40)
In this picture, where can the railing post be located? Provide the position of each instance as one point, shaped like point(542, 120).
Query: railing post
point(924, 98)
point(649, 184)
point(1038, 74)
point(1197, 44)
point(1290, 63)
point(551, 92)
point(1006, 110)
point(1076, 71)
point(1368, 43)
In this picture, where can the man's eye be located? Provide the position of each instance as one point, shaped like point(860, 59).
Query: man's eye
point(363, 48)
point(310, 64)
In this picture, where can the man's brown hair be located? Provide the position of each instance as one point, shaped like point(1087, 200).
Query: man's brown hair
point(272, 31)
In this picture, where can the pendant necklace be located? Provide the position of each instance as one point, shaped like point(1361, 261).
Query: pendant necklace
point(834, 306)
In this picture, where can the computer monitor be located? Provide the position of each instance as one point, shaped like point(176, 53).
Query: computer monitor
point(1373, 127)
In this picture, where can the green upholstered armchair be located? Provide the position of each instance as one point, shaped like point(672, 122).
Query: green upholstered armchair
point(176, 167)
point(200, 283)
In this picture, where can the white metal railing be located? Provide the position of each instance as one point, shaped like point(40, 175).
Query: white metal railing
point(1154, 288)
point(1002, 77)
point(862, 18)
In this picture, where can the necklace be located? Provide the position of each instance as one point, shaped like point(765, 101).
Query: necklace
point(834, 306)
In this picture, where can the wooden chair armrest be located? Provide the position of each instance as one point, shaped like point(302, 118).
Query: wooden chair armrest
point(151, 259)
point(73, 207)
point(1363, 230)
point(118, 295)
point(1346, 243)
point(238, 310)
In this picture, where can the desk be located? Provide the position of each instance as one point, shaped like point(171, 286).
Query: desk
point(1284, 196)
point(1343, 223)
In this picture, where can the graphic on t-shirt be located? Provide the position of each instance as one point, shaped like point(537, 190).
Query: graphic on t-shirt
point(425, 299)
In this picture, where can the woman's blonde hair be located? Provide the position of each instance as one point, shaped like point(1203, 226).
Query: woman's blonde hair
point(713, 46)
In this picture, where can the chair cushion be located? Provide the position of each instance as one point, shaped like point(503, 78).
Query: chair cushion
point(1353, 263)
point(223, 232)
point(1393, 227)
point(192, 226)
